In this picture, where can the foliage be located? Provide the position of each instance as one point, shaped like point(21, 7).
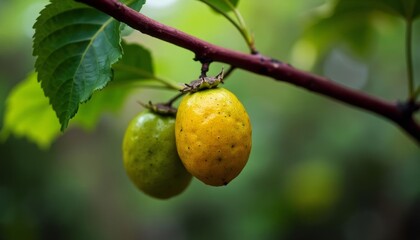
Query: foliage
point(28, 113)
point(75, 55)
point(223, 5)
point(26, 105)
point(304, 146)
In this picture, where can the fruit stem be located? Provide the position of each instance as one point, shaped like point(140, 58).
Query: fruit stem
point(176, 97)
point(228, 72)
point(160, 108)
point(205, 66)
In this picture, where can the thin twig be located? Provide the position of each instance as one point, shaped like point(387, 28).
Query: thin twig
point(259, 64)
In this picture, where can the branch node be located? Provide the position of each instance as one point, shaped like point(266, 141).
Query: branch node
point(203, 83)
point(118, 5)
point(278, 62)
point(256, 63)
point(160, 108)
point(408, 108)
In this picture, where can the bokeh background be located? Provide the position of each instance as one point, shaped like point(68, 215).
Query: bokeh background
point(319, 169)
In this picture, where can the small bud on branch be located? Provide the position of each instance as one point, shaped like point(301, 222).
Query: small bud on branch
point(259, 64)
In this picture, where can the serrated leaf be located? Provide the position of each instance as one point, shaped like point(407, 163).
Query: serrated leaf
point(28, 113)
point(136, 64)
point(223, 5)
point(76, 46)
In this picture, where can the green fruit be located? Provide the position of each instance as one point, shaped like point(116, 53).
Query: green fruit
point(150, 156)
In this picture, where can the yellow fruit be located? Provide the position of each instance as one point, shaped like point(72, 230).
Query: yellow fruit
point(213, 135)
point(150, 157)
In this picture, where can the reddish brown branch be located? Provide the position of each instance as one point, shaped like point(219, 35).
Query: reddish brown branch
point(258, 64)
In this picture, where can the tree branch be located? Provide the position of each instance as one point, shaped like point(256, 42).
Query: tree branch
point(259, 64)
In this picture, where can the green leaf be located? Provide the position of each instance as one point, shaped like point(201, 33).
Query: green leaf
point(76, 46)
point(136, 64)
point(28, 113)
point(223, 5)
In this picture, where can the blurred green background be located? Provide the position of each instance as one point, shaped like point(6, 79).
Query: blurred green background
point(318, 168)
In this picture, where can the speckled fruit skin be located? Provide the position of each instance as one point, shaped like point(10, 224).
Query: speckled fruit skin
point(150, 157)
point(213, 135)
